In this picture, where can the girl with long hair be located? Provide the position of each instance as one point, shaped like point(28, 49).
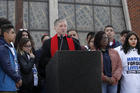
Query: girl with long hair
point(131, 64)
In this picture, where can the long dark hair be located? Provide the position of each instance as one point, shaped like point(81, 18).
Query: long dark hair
point(90, 40)
point(98, 38)
point(126, 47)
point(22, 42)
point(19, 36)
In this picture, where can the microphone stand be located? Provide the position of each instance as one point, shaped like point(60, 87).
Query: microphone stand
point(61, 37)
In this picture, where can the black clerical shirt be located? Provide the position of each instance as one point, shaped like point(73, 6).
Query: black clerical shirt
point(46, 51)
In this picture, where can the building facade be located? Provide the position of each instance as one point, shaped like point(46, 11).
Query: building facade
point(134, 12)
point(83, 15)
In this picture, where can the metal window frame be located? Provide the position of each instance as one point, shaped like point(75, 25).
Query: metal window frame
point(93, 4)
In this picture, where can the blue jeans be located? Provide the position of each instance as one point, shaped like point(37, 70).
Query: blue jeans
point(107, 88)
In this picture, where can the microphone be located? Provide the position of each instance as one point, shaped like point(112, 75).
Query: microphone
point(61, 38)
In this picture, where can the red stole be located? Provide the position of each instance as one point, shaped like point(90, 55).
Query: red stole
point(54, 44)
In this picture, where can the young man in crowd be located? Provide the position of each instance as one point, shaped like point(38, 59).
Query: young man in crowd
point(10, 79)
point(2, 22)
point(109, 30)
point(123, 35)
point(73, 33)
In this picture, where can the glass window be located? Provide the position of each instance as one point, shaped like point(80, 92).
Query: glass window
point(105, 2)
point(36, 15)
point(102, 17)
point(3, 8)
point(11, 11)
point(93, 15)
point(7, 10)
point(84, 1)
point(25, 15)
point(118, 20)
point(82, 37)
point(36, 35)
point(84, 17)
point(67, 11)
point(66, 0)
point(115, 2)
point(37, 0)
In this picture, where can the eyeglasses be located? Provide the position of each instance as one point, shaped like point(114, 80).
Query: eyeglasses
point(23, 29)
point(73, 35)
point(27, 46)
point(104, 38)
